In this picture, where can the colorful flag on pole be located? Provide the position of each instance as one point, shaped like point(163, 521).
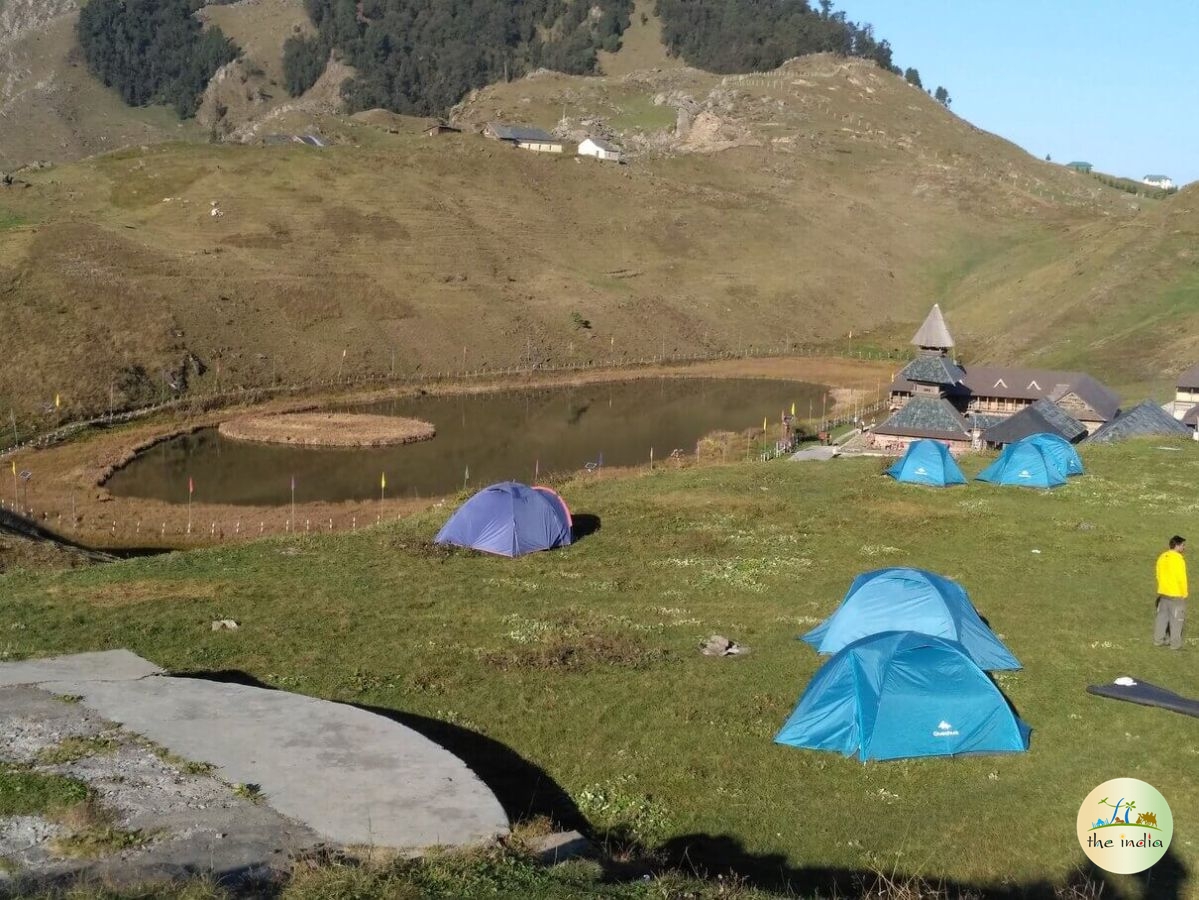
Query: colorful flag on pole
point(344, 352)
point(792, 407)
point(763, 423)
point(383, 480)
point(191, 486)
point(293, 484)
point(14, 467)
point(57, 401)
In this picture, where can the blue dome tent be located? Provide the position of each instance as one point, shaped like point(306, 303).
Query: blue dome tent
point(899, 695)
point(906, 599)
point(509, 519)
point(1057, 448)
point(1025, 465)
point(927, 462)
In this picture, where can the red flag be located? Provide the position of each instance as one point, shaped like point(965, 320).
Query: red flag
point(191, 488)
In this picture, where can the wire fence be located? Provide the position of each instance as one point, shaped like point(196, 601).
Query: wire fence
point(25, 435)
point(175, 526)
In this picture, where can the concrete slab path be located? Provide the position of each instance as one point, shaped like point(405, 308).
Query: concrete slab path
point(353, 777)
point(817, 453)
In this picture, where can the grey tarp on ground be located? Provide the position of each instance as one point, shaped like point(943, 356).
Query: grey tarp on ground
point(1147, 695)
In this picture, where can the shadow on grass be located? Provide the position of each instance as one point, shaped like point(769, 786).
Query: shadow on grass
point(526, 791)
point(584, 525)
point(708, 856)
point(23, 526)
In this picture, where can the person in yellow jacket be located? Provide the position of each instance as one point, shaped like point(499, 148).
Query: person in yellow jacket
point(1171, 595)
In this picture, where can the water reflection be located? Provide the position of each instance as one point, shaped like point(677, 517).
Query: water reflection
point(481, 439)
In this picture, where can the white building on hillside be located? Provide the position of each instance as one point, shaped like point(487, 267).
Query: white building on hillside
point(1165, 182)
point(599, 149)
point(524, 136)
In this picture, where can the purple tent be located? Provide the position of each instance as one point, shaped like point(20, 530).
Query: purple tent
point(509, 519)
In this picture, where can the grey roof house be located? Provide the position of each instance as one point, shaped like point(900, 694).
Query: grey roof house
point(1044, 416)
point(1143, 420)
point(526, 137)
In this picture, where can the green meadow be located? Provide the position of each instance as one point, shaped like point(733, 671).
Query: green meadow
point(573, 682)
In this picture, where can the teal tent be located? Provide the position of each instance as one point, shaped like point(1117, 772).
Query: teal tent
point(1060, 450)
point(1026, 465)
point(899, 695)
point(905, 599)
point(927, 462)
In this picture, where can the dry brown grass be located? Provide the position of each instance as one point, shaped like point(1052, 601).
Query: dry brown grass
point(469, 255)
point(578, 652)
point(132, 593)
point(325, 429)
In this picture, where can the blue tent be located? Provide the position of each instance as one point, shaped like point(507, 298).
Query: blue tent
point(900, 694)
point(927, 462)
point(509, 519)
point(905, 599)
point(1060, 450)
point(1026, 465)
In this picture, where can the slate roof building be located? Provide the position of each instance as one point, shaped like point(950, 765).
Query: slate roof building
point(1146, 419)
point(1006, 390)
point(957, 404)
point(1186, 395)
point(927, 413)
point(524, 136)
point(1043, 417)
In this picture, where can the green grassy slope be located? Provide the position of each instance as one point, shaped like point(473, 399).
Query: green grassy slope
point(839, 200)
point(1121, 299)
point(52, 108)
point(585, 662)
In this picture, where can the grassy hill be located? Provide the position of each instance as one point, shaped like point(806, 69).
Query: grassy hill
point(51, 108)
point(583, 664)
point(1120, 298)
point(797, 205)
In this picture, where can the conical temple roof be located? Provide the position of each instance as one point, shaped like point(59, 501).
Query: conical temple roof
point(933, 333)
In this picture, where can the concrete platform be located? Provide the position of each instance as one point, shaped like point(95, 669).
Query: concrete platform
point(353, 777)
point(821, 453)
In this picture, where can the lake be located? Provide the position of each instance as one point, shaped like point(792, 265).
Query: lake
point(481, 439)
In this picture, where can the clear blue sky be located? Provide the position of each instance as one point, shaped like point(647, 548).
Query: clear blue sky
point(1112, 83)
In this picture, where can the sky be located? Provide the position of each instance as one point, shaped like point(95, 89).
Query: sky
point(1110, 83)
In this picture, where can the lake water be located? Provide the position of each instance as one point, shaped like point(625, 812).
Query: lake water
point(496, 436)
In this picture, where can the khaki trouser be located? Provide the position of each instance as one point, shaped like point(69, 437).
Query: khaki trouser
point(1171, 616)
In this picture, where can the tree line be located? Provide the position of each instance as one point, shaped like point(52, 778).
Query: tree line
point(757, 35)
point(420, 57)
point(152, 51)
